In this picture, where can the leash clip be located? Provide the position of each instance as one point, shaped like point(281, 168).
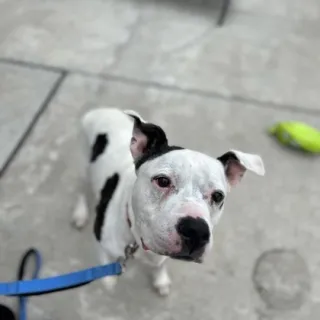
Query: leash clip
point(129, 252)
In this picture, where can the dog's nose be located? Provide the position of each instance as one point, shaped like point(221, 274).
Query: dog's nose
point(194, 233)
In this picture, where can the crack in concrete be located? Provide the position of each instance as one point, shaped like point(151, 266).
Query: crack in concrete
point(119, 50)
point(51, 94)
point(173, 88)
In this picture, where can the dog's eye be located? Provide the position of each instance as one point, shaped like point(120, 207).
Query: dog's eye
point(163, 182)
point(217, 197)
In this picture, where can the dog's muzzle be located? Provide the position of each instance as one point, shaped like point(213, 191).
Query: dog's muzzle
point(195, 235)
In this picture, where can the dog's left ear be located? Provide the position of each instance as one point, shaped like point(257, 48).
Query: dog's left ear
point(146, 137)
point(236, 163)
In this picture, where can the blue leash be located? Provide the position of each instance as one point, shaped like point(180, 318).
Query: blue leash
point(21, 275)
point(35, 286)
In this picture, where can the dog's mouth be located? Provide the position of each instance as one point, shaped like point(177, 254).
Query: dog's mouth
point(173, 256)
point(144, 246)
point(186, 258)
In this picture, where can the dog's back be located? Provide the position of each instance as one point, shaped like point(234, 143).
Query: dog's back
point(108, 133)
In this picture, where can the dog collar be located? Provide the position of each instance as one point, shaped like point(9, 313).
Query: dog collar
point(128, 220)
point(131, 249)
point(135, 244)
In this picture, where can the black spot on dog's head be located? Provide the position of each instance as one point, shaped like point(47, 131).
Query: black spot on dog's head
point(99, 146)
point(227, 157)
point(155, 135)
point(154, 153)
point(106, 195)
point(154, 144)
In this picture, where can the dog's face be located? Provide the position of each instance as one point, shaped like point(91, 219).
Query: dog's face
point(179, 194)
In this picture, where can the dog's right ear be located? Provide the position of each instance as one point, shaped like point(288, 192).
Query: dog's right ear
point(146, 137)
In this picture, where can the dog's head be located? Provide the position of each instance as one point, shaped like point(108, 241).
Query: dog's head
point(179, 194)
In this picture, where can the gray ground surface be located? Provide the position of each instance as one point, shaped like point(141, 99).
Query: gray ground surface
point(211, 89)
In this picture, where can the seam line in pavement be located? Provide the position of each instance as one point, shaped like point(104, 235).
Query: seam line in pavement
point(54, 89)
point(32, 65)
point(153, 84)
point(206, 94)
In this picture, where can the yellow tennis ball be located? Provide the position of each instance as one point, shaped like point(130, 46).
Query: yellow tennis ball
point(297, 135)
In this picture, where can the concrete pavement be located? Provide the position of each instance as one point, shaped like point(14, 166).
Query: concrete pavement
point(211, 89)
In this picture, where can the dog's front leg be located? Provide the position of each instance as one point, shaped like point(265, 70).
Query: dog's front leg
point(105, 258)
point(160, 277)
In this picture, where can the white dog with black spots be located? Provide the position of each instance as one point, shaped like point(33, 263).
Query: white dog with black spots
point(165, 198)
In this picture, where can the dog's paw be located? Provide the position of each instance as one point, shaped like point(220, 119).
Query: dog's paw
point(110, 283)
point(162, 283)
point(80, 214)
point(163, 290)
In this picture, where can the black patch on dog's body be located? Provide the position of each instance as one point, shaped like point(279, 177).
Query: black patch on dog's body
point(105, 196)
point(99, 146)
point(157, 144)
